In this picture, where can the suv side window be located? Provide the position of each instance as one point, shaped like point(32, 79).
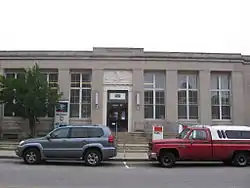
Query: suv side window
point(198, 135)
point(79, 132)
point(60, 133)
point(95, 132)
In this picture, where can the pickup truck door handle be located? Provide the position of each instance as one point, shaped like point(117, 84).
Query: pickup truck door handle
point(182, 146)
point(206, 142)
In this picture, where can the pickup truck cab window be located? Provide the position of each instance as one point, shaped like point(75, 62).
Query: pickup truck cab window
point(183, 134)
point(198, 135)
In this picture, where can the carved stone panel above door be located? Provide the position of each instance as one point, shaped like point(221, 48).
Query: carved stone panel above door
point(117, 77)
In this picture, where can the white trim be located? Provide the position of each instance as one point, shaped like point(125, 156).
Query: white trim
point(187, 76)
point(187, 96)
point(154, 89)
point(220, 102)
point(220, 98)
point(154, 96)
point(80, 94)
point(118, 87)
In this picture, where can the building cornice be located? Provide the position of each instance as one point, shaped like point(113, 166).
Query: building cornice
point(124, 54)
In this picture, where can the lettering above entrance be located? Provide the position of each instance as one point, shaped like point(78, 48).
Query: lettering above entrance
point(118, 77)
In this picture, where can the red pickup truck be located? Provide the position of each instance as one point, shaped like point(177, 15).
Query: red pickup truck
point(230, 144)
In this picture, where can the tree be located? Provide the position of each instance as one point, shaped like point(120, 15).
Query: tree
point(29, 96)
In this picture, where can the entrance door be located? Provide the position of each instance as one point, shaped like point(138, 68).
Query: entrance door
point(117, 110)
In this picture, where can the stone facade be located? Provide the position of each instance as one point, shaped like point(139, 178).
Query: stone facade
point(123, 69)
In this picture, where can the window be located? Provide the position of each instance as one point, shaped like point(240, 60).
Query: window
point(80, 95)
point(86, 132)
point(220, 96)
point(79, 132)
point(95, 132)
point(8, 111)
point(154, 95)
point(238, 134)
point(187, 97)
point(52, 79)
point(60, 133)
point(198, 135)
point(183, 134)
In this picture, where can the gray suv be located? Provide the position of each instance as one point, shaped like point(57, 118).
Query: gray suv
point(91, 143)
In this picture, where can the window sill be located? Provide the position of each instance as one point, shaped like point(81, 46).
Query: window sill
point(20, 118)
point(12, 117)
point(154, 119)
point(221, 122)
point(75, 118)
point(188, 120)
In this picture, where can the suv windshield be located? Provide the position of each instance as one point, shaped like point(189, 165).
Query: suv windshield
point(183, 134)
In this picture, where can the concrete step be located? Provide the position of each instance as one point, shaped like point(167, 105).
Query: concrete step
point(133, 145)
point(131, 138)
point(133, 151)
point(132, 142)
point(133, 148)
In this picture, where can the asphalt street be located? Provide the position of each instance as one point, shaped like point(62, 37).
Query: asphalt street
point(15, 174)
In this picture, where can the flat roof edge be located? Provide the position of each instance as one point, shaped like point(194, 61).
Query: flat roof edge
point(121, 53)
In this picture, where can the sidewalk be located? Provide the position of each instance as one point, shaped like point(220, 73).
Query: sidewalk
point(7, 154)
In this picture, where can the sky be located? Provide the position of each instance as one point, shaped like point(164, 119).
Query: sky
point(219, 26)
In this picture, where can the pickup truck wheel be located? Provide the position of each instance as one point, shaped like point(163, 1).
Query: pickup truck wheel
point(240, 159)
point(167, 160)
point(92, 158)
point(32, 156)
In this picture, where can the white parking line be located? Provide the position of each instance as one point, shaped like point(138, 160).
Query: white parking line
point(125, 164)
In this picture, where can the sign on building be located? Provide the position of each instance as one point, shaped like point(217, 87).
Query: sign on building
point(61, 114)
point(157, 132)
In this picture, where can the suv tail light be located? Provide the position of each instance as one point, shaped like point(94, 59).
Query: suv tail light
point(111, 139)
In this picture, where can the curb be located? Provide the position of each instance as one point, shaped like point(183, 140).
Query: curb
point(118, 159)
point(9, 157)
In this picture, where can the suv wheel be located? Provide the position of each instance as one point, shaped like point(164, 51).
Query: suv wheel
point(240, 159)
point(32, 156)
point(92, 157)
point(167, 160)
